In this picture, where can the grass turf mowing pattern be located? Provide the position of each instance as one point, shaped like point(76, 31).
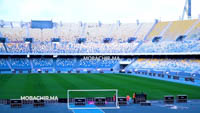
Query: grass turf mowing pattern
point(16, 85)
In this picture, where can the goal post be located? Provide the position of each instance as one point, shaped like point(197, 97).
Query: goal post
point(92, 98)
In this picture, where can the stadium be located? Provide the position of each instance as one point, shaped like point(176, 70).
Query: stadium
point(100, 67)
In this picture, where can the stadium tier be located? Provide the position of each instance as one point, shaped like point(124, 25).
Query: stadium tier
point(187, 65)
point(48, 47)
point(43, 49)
point(170, 47)
point(57, 64)
point(158, 37)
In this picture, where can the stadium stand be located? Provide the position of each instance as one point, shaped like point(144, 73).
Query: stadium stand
point(124, 31)
point(173, 65)
point(42, 63)
point(65, 64)
point(94, 35)
point(48, 47)
point(169, 47)
point(178, 28)
point(3, 64)
point(36, 33)
point(194, 34)
point(160, 26)
point(69, 32)
point(18, 47)
point(20, 63)
point(15, 34)
point(69, 64)
point(88, 63)
point(42, 47)
point(124, 38)
point(2, 49)
point(143, 30)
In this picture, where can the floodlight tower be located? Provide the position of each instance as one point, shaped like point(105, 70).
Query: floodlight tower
point(187, 10)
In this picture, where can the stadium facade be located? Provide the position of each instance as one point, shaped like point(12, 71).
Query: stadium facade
point(170, 48)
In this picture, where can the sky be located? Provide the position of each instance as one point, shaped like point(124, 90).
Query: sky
point(92, 11)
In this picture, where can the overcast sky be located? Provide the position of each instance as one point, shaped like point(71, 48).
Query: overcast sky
point(106, 11)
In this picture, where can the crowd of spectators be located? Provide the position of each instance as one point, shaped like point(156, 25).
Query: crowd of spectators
point(145, 47)
point(49, 47)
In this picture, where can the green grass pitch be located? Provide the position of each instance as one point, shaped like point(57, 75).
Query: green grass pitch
point(17, 85)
